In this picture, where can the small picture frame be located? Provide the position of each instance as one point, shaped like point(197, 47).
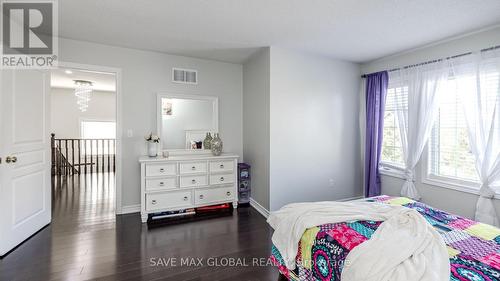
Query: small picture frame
point(167, 108)
point(196, 144)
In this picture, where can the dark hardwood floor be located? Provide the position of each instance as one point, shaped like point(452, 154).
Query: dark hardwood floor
point(86, 241)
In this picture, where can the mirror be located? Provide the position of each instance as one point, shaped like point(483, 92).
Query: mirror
point(184, 121)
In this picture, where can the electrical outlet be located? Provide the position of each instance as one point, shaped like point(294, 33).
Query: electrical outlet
point(331, 182)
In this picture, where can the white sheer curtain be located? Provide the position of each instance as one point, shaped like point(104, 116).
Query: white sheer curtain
point(478, 82)
point(416, 111)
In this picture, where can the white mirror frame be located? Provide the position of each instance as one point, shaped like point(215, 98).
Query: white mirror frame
point(160, 96)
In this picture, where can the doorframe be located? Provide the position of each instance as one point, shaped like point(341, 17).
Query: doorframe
point(118, 74)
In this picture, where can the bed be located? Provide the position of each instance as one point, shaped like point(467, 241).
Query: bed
point(473, 248)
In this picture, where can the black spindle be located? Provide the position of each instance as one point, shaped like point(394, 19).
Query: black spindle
point(72, 156)
point(102, 156)
point(79, 157)
point(109, 151)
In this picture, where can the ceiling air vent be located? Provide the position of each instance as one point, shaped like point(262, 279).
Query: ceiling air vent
point(185, 76)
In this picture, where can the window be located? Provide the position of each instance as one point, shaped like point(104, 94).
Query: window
point(450, 153)
point(448, 160)
point(96, 132)
point(392, 151)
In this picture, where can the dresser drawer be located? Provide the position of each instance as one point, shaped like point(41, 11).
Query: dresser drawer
point(193, 181)
point(161, 183)
point(168, 200)
point(221, 178)
point(212, 195)
point(221, 166)
point(193, 167)
point(153, 170)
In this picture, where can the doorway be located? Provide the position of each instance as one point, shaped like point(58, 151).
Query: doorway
point(84, 146)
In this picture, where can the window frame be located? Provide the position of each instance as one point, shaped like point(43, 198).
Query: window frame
point(389, 169)
point(460, 184)
point(81, 120)
point(426, 177)
point(443, 181)
point(392, 168)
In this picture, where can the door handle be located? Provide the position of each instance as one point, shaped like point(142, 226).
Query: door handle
point(11, 159)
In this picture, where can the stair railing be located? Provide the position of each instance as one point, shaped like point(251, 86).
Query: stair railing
point(82, 156)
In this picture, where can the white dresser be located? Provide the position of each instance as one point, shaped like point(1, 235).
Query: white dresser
point(181, 182)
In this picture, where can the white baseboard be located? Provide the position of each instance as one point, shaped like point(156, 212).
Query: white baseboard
point(263, 211)
point(130, 209)
point(351, 199)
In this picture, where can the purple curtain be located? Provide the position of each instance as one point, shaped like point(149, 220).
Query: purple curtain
point(376, 92)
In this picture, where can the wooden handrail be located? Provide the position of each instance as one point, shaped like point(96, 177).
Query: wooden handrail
point(82, 156)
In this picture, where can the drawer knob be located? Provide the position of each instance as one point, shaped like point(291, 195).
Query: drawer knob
point(193, 168)
point(162, 170)
point(153, 202)
point(221, 178)
point(201, 196)
point(193, 181)
point(162, 183)
point(228, 193)
point(185, 198)
point(221, 166)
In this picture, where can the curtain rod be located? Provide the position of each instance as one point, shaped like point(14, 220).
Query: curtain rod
point(436, 60)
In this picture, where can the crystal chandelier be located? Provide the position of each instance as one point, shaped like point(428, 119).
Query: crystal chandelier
point(83, 90)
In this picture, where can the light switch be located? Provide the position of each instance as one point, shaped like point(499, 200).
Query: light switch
point(130, 133)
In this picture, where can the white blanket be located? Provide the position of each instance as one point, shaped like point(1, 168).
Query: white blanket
point(403, 248)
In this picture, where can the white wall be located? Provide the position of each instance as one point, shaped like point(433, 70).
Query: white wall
point(65, 116)
point(256, 81)
point(450, 200)
point(146, 73)
point(314, 128)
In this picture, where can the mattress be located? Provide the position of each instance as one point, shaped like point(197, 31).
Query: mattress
point(473, 247)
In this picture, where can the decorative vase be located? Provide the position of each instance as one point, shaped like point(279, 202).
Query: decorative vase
point(216, 145)
point(152, 149)
point(207, 141)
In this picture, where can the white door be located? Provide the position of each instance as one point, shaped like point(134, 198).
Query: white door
point(25, 191)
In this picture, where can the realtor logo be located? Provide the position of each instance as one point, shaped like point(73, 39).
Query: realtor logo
point(29, 34)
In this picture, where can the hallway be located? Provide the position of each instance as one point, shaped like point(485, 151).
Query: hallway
point(83, 202)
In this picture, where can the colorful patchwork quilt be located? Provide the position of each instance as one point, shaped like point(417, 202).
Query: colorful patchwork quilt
point(474, 248)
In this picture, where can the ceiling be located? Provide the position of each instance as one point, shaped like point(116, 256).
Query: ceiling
point(100, 81)
point(231, 30)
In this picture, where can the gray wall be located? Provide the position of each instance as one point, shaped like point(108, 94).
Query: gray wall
point(256, 81)
point(301, 127)
point(457, 202)
point(146, 73)
point(314, 138)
